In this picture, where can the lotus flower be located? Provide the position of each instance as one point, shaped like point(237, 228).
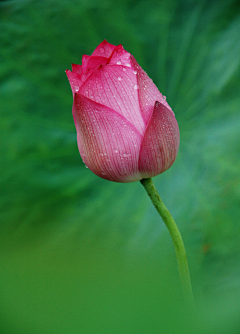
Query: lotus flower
point(126, 131)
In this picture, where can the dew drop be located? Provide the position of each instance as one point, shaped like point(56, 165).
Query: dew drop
point(124, 69)
point(135, 86)
point(164, 97)
point(134, 72)
point(128, 65)
point(86, 166)
point(119, 78)
point(101, 50)
point(115, 151)
point(119, 62)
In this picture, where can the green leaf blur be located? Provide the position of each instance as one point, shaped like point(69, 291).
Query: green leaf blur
point(83, 255)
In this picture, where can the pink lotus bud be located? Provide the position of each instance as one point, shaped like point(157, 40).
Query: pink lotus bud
point(126, 131)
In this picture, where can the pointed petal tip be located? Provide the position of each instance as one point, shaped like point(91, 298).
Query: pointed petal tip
point(160, 105)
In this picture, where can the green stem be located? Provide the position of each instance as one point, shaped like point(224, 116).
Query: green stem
point(176, 237)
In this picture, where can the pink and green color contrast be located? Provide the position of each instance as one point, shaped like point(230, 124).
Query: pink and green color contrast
point(126, 131)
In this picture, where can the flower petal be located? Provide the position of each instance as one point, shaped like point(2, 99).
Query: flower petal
point(85, 59)
point(104, 49)
point(77, 69)
point(109, 145)
point(90, 64)
point(74, 80)
point(160, 143)
point(148, 92)
point(120, 57)
point(115, 87)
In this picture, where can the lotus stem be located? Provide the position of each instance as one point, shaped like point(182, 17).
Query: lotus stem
point(176, 238)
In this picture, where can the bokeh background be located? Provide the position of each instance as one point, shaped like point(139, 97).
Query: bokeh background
point(83, 255)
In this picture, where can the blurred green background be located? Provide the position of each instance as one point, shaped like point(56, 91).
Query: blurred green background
point(83, 255)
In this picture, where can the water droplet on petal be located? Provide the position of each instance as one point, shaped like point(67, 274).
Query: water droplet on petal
point(135, 87)
point(128, 65)
point(86, 166)
point(115, 151)
point(134, 72)
point(164, 97)
point(101, 50)
point(119, 62)
point(124, 69)
point(119, 78)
